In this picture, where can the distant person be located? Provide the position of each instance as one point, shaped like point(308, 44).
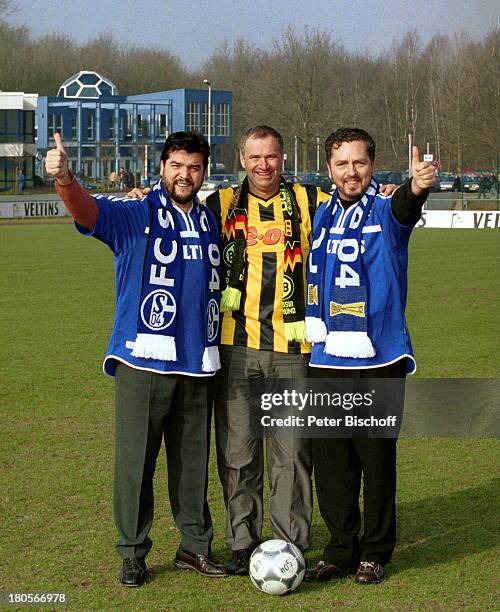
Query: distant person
point(123, 176)
point(355, 315)
point(491, 181)
point(113, 179)
point(163, 350)
point(21, 180)
point(484, 186)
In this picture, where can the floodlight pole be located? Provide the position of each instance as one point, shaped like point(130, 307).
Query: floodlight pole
point(295, 153)
point(207, 82)
point(409, 154)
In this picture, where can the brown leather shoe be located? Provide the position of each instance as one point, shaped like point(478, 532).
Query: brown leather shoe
point(203, 564)
point(325, 571)
point(369, 572)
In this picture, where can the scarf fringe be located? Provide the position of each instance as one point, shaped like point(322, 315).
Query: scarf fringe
point(151, 346)
point(211, 359)
point(295, 331)
point(349, 344)
point(230, 299)
point(315, 329)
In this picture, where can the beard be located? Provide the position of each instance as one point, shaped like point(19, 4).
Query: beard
point(352, 194)
point(178, 195)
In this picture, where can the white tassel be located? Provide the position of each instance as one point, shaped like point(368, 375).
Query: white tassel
point(349, 344)
point(150, 346)
point(315, 329)
point(211, 359)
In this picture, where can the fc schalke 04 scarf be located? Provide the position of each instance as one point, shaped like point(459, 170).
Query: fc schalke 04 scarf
point(162, 279)
point(337, 302)
point(236, 227)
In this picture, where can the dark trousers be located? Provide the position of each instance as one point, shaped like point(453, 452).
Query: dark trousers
point(240, 454)
point(150, 408)
point(339, 466)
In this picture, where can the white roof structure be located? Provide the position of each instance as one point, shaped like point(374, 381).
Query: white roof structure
point(87, 84)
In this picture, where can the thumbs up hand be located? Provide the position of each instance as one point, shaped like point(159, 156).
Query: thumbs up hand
point(56, 162)
point(423, 173)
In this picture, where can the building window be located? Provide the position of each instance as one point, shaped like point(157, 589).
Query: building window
point(205, 119)
point(142, 126)
point(223, 122)
point(29, 126)
point(130, 124)
point(193, 116)
point(13, 125)
point(111, 126)
point(55, 124)
point(73, 127)
point(52, 123)
point(90, 126)
point(162, 124)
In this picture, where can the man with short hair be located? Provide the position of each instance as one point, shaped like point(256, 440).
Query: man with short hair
point(266, 225)
point(163, 350)
point(359, 258)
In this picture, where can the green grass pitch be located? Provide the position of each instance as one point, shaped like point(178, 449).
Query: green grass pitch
point(56, 451)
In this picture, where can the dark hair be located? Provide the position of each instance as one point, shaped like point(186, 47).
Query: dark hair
point(186, 141)
point(349, 135)
point(261, 131)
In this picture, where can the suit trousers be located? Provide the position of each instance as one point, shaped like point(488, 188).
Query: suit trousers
point(152, 407)
point(339, 466)
point(240, 455)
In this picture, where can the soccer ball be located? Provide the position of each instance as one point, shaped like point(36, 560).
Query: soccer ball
point(277, 567)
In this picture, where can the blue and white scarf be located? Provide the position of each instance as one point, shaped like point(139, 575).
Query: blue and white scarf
point(162, 278)
point(337, 305)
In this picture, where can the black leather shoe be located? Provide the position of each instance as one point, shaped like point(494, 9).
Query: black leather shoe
point(369, 572)
point(325, 571)
point(133, 572)
point(240, 564)
point(203, 564)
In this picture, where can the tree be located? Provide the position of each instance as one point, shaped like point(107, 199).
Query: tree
point(238, 68)
point(301, 88)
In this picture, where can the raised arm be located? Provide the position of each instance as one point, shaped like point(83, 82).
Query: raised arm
point(423, 174)
point(408, 200)
point(80, 204)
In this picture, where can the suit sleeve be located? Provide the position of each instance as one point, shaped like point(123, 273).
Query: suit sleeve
point(406, 207)
point(80, 204)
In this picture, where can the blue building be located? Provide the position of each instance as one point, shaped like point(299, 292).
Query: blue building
point(103, 131)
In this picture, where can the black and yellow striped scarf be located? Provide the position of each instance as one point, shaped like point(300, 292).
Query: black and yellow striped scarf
point(237, 230)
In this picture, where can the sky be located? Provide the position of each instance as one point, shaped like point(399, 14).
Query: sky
point(192, 30)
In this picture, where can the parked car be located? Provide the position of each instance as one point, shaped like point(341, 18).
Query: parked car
point(318, 180)
point(219, 181)
point(394, 177)
point(290, 177)
point(466, 182)
point(446, 181)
